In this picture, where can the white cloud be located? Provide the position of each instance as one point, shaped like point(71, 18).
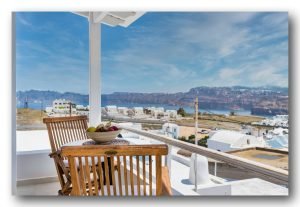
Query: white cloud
point(180, 51)
point(229, 73)
point(23, 21)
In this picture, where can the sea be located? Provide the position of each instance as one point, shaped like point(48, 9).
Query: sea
point(190, 110)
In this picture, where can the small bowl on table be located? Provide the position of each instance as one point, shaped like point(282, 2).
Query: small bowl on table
point(101, 137)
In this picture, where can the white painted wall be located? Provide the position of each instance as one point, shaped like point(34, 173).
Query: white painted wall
point(34, 165)
point(171, 130)
point(33, 159)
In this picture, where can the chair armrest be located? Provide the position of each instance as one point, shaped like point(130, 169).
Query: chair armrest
point(166, 184)
point(52, 154)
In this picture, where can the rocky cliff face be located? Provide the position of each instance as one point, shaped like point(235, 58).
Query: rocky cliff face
point(209, 97)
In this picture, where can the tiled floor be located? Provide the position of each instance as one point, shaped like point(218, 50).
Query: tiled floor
point(46, 189)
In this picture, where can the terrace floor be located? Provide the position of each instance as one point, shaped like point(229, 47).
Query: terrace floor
point(45, 189)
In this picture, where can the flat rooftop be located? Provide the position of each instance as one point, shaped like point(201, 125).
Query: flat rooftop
point(273, 157)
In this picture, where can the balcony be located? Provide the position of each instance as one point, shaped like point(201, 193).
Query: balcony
point(36, 173)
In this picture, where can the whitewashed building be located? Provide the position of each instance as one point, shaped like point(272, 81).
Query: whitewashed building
point(138, 111)
point(111, 109)
point(123, 110)
point(81, 107)
point(225, 140)
point(171, 130)
point(172, 114)
point(62, 106)
point(156, 112)
point(49, 109)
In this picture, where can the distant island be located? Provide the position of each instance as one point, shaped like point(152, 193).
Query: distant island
point(268, 100)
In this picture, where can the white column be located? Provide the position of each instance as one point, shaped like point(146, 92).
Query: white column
point(94, 71)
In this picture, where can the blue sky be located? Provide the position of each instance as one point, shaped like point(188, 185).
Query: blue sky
point(160, 52)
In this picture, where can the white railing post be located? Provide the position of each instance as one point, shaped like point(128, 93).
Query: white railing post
point(215, 169)
point(168, 159)
point(196, 142)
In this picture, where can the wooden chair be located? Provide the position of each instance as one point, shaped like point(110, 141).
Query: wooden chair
point(62, 130)
point(134, 175)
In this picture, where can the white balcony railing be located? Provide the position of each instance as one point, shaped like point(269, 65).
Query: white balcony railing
point(269, 173)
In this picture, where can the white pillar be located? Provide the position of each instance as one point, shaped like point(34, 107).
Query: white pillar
point(94, 71)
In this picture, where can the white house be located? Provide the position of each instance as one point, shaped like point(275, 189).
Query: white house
point(171, 130)
point(138, 111)
point(225, 140)
point(49, 109)
point(62, 106)
point(81, 107)
point(278, 142)
point(279, 131)
point(157, 112)
point(111, 109)
point(172, 113)
point(123, 110)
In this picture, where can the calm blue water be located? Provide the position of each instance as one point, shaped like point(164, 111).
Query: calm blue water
point(166, 107)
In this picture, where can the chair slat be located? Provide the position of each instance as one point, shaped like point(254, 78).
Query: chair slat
point(119, 176)
point(55, 135)
point(125, 175)
point(59, 136)
point(100, 175)
point(131, 176)
point(106, 169)
point(95, 176)
point(76, 137)
point(112, 174)
point(88, 175)
point(138, 175)
point(80, 132)
point(81, 126)
point(61, 133)
point(150, 175)
point(65, 132)
point(144, 175)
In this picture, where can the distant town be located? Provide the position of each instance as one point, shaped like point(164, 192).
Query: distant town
point(258, 100)
point(269, 132)
point(270, 129)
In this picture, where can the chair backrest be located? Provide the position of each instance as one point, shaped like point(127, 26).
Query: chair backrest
point(134, 164)
point(62, 130)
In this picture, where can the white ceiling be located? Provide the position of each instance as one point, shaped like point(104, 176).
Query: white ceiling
point(113, 19)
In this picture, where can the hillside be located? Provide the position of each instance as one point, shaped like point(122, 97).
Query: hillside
point(237, 97)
